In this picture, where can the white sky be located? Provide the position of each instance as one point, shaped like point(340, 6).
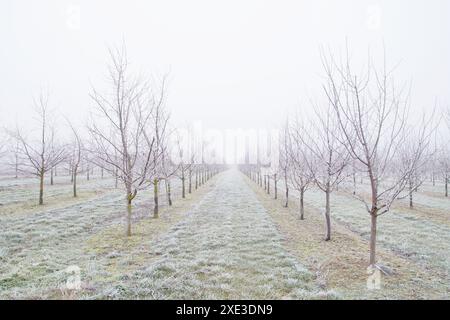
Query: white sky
point(232, 63)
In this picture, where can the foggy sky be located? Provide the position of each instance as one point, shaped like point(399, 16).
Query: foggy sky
point(231, 63)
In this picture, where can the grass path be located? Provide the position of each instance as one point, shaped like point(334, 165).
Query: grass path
point(227, 247)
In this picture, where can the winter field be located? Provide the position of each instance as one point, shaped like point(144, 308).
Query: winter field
point(227, 240)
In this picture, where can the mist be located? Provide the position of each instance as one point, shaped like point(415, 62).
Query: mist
point(230, 64)
point(236, 150)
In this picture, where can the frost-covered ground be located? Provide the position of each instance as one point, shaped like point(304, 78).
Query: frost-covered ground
point(36, 247)
point(220, 242)
point(340, 264)
point(227, 247)
point(223, 245)
point(421, 234)
point(26, 190)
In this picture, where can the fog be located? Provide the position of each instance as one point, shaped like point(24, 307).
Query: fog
point(231, 64)
point(203, 149)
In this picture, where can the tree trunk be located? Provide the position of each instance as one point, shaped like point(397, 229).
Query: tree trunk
point(169, 193)
point(327, 215)
point(286, 193)
point(51, 177)
point(411, 204)
point(446, 185)
point(155, 197)
point(302, 206)
point(87, 174)
point(196, 179)
point(190, 182)
point(17, 167)
point(75, 183)
point(268, 185)
point(373, 236)
point(129, 211)
point(275, 187)
point(183, 188)
point(130, 197)
point(41, 187)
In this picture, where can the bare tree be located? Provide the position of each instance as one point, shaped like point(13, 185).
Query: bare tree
point(76, 156)
point(163, 169)
point(42, 155)
point(446, 173)
point(325, 157)
point(285, 160)
point(196, 168)
point(272, 175)
point(167, 172)
point(444, 165)
point(16, 162)
point(52, 169)
point(126, 141)
point(87, 165)
point(354, 171)
point(372, 115)
point(184, 168)
point(414, 157)
point(444, 158)
point(300, 174)
point(191, 170)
